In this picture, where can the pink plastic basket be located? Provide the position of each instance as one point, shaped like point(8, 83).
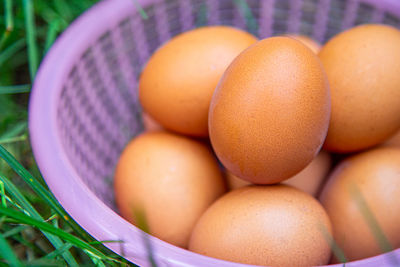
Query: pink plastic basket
point(84, 106)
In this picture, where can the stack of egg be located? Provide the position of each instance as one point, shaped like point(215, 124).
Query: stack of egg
point(268, 107)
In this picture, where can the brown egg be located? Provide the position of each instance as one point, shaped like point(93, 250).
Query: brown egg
point(308, 180)
point(394, 140)
point(235, 182)
point(364, 186)
point(177, 83)
point(264, 225)
point(363, 66)
point(312, 177)
point(269, 114)
point(307, 41)
point(171, 179)
point(149, 123)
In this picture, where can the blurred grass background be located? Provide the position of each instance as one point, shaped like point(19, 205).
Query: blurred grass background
point(34, 229)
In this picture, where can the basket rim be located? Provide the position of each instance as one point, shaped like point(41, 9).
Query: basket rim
point(77, 199)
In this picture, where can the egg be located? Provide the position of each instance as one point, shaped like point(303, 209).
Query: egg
point(307, 41)
point(394, 140)
point(235, 182)
point(308, 180)
point(264, 225)
point(269, 114)
point(177, 83)
point(363, 66)
point(171, 180)
point(362, 198)
point(313, 176)
point(149, 123)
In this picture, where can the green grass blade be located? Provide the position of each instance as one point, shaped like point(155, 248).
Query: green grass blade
point(7, 253)
point(24, 219)
point(97, 262)
point(44, 263)
point(11, 50)
point(372, 222)
point(33, 54)
point(52, 32)
point(18, 207)
point(18, 197)
point(63, 9)
point(201, 18)
point(49, 15)
point(13, 139)
point(143, 13)
point(336, 250)
point(40, 190)
point(9, 15)
point(251, 21)
point(141, 221)
point(14, 89)
point(18, 129)
point(9, 21)
point(3, 195)
point(58, 251)
point(105, 241)
point(14, 231)
point(31, 181)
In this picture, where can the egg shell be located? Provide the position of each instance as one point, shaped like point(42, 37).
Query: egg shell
point(269, 114)
point(394, 140)
point(235, 182)
point(309, 180)
point(264, 225)
point(313, 176)
point(170, 179)
point(371, 177)
point(363, 66)
point(177, 83)
point(149, 123)
point(307, 41)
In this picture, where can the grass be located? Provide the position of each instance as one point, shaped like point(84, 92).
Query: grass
point(34, 229)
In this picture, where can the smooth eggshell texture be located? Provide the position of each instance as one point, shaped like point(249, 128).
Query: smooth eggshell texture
point(177, 83)
point(171, 179)
point(264, 225)
point(269, 114)
point(363, 66)
point(308, 180)
point(375, 175)
point(149, 123)
point(235, 182)
point(394, 140)
point(307, 41)
point(313, 176)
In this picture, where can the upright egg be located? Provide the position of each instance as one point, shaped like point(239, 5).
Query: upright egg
point(362, 199)
point(275, 225)
point(269, 114)
point(363, 66)
point(170, 179)
point(177, 83)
